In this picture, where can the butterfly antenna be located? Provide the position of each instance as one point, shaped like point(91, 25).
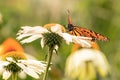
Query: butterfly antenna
point(69, 18)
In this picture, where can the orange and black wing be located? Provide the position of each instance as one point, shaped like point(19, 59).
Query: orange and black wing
point(79, 31)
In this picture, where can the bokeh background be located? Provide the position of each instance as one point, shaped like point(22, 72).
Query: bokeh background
point(102, 16)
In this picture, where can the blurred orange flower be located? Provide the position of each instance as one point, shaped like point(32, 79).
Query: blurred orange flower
point(9, 45)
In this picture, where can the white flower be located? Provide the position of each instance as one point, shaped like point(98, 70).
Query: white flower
point(13, 59)
point(32, 33)
point(84, 64)
point(30, 67)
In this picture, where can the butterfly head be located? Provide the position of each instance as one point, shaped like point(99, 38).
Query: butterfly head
point(70, 27)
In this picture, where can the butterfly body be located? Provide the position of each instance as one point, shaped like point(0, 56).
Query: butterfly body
point(79, 31)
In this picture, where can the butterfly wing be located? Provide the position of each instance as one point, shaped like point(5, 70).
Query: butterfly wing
point(79, 31)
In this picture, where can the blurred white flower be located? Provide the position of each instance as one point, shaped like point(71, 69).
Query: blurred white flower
point(28, 34)
point(83, 64)
point(30, 67)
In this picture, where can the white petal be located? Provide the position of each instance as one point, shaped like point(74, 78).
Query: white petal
point(42, 42)
point(56, 47)
point(38, 66)
point(3, 63)
point(84, 38)
point(102, 61)
point(6, 74)
point(66, 37)
point(23, 36)
point(56, 28)
point(22, 75)
point(28, 70)
point(10, 59)
point(37, 69)
point(32, 62)
point(30, 39)
point(82, 41)
point(35, 32)
point(84, 55)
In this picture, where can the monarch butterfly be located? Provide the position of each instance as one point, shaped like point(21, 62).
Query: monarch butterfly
point(79, 31)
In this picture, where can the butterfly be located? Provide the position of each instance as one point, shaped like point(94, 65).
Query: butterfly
point(79, 31)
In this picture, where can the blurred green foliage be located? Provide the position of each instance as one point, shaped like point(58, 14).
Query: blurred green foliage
point(102, 16)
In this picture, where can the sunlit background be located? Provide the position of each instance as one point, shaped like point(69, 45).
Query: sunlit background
point(102, 16)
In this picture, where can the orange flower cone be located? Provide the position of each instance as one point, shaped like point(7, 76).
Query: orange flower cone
point(9, 45)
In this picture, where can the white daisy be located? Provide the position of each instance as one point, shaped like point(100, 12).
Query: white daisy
point(51, 35)
point(13, 59)
point(31, 67)
point(84, 63)
point(28, 34)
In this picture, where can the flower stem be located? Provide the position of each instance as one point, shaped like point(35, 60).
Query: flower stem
point(48, 64)
point(14, 76)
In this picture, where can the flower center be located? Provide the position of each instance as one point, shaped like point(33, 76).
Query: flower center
point(13, 67)
point(52, 39)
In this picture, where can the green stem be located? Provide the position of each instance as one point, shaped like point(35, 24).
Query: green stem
point(48, 64)
point(14, 76)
